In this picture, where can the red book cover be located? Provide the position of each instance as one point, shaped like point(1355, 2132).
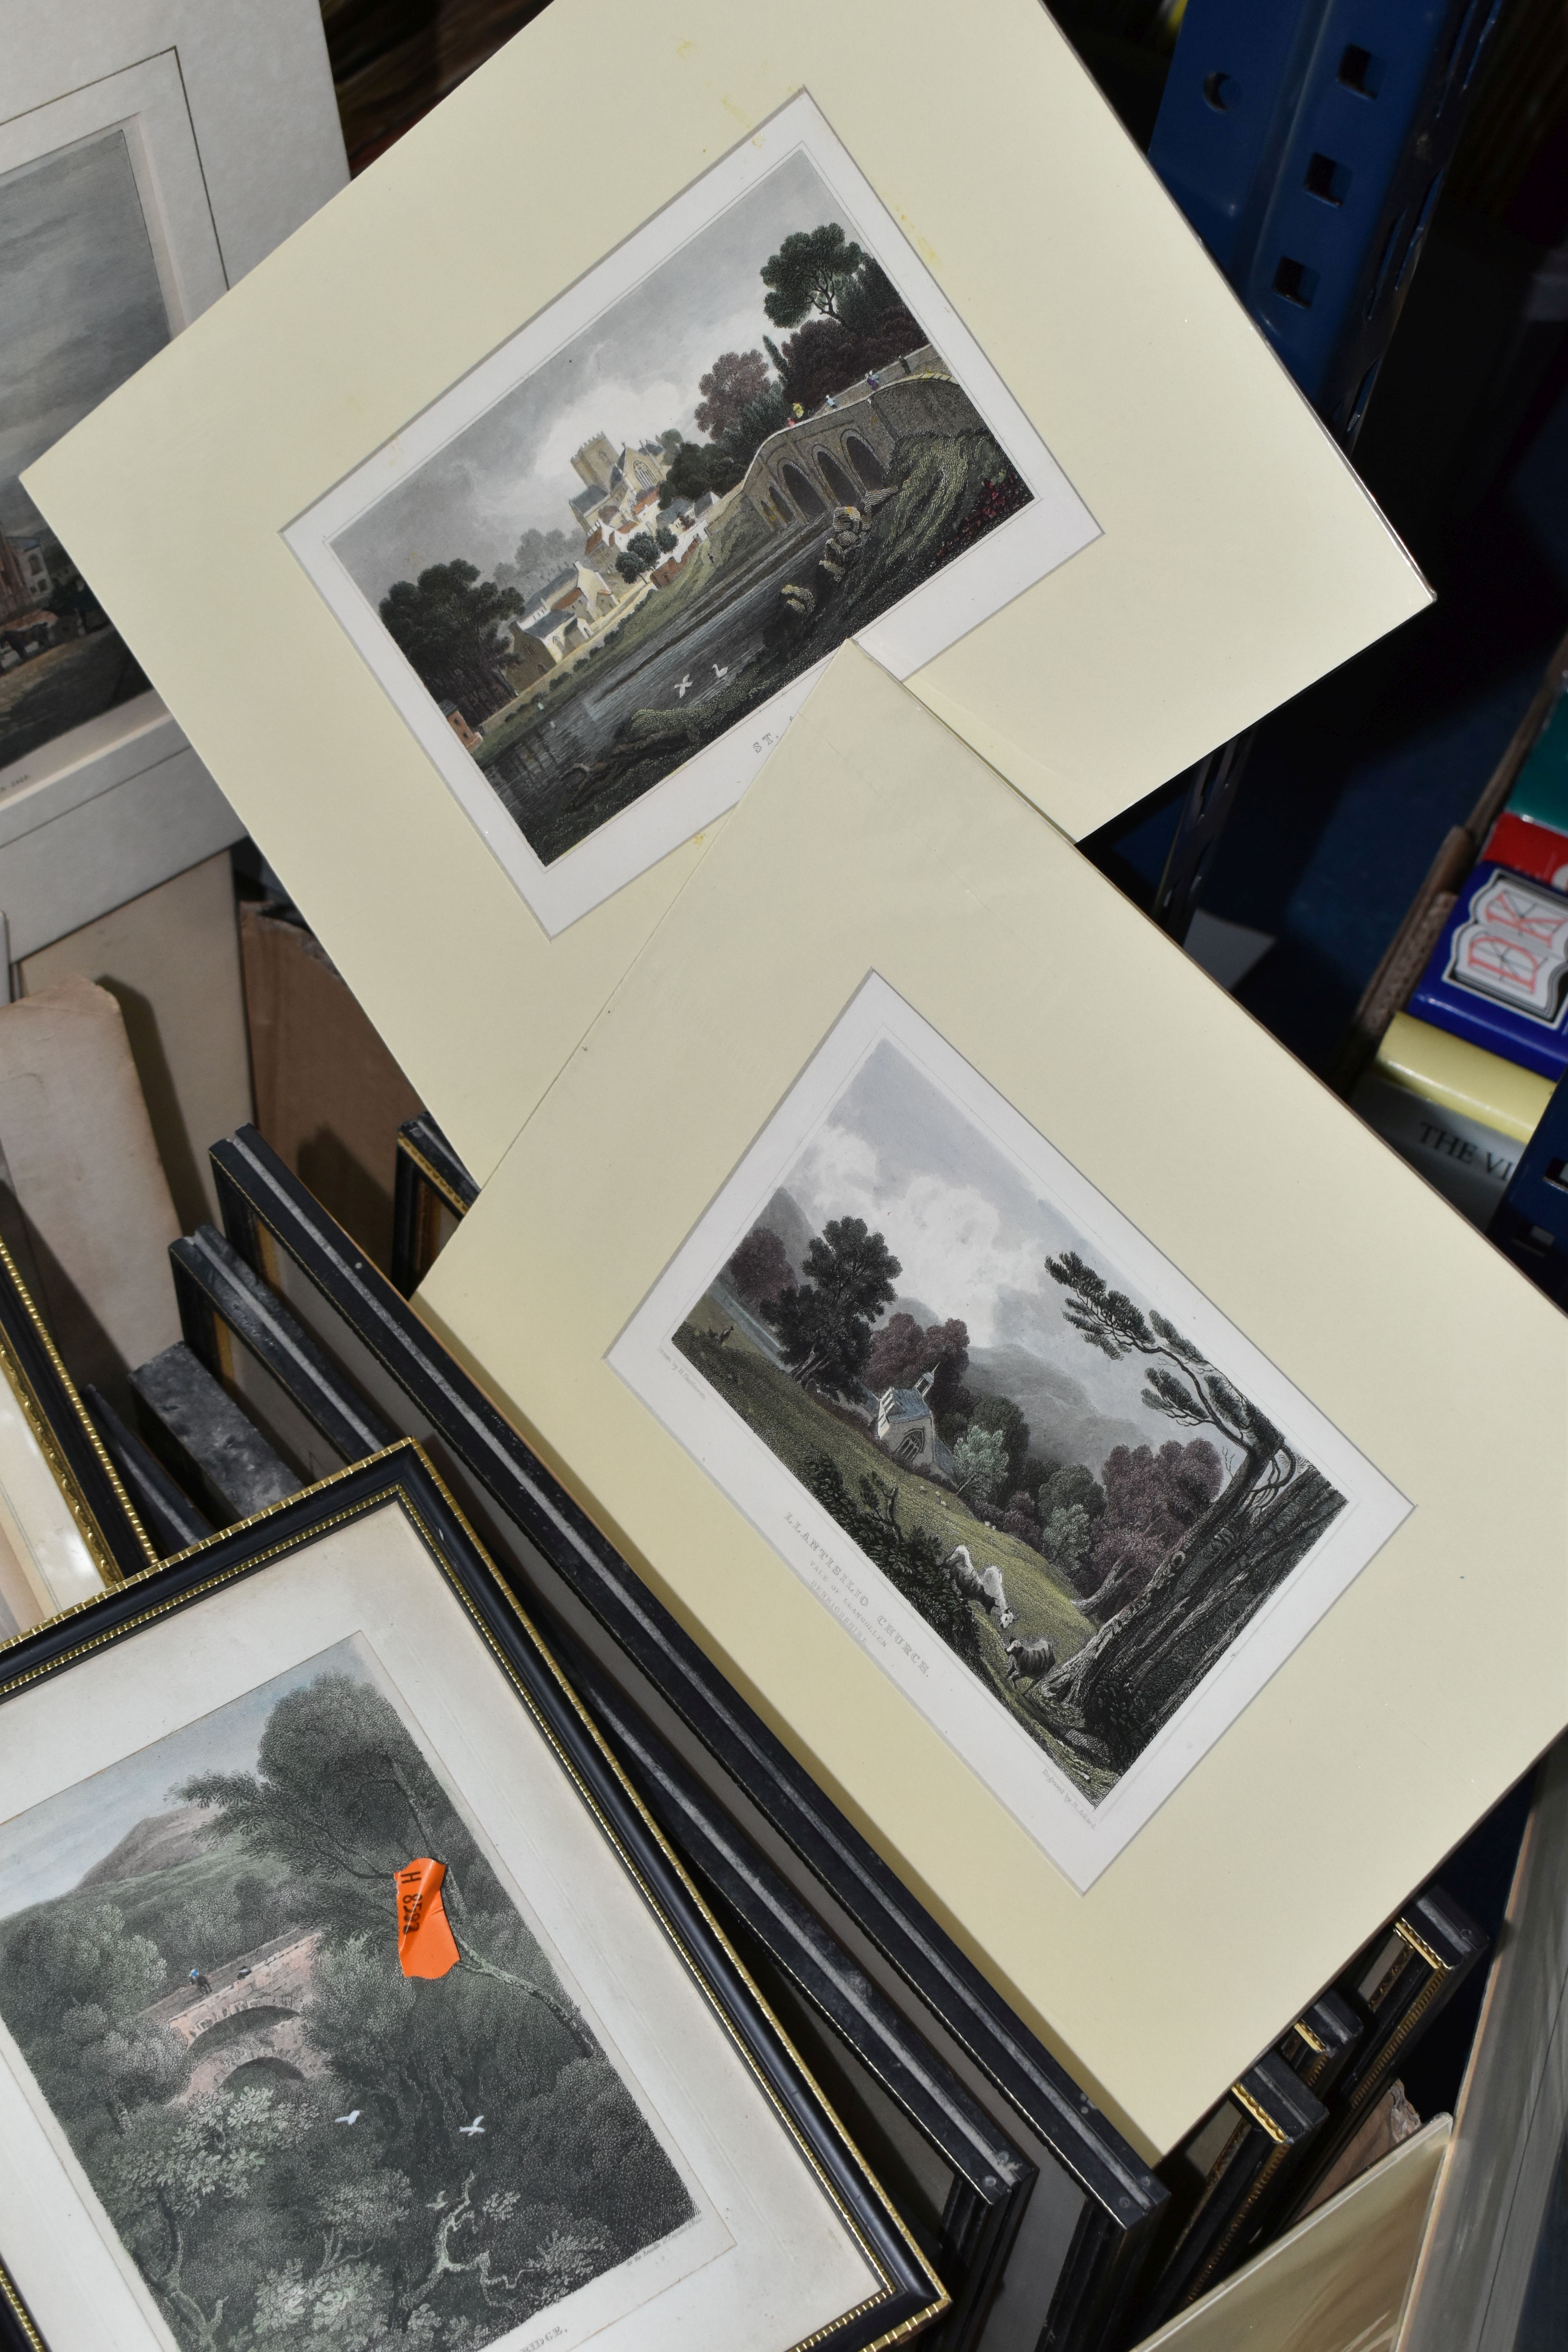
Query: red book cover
point(1528, 848)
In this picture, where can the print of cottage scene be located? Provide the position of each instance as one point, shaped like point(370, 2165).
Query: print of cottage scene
point(1085, 1509)
point(297, 2143)
point(820, 465)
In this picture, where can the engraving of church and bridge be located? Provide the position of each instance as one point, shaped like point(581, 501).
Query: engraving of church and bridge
point(840, 456)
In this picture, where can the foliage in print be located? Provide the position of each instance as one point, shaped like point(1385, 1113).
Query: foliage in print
point(647, 536)
point(904, 1328)
point(297, 2145)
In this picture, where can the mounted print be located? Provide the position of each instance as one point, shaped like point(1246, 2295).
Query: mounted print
point(583, 440)
point(452, 2061)
point(597, 575)
point(1066, 1326)
point(1072, 1511)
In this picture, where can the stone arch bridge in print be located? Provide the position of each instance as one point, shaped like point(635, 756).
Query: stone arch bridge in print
point(841, 454)
point(250, 2015)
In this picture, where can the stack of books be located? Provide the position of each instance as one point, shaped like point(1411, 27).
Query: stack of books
point(1463, 1074)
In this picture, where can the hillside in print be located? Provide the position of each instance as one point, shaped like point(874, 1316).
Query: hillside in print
point(1086, 1508)
point(296, 2144)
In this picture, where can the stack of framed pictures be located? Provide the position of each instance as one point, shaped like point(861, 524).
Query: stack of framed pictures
point(1027, 2229)
point(1260, 2153)
point(1039, 2216)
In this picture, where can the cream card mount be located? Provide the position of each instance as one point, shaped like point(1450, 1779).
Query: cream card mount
point(1039, 1394)
point(386, 399)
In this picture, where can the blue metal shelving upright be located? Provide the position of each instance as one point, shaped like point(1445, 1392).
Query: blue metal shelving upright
point(1306, 140)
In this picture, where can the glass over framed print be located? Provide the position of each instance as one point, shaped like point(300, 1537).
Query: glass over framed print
point(841, 335)
point(977, 1353)
point(67, 1528)
point(349, 1995)
point(129, 200)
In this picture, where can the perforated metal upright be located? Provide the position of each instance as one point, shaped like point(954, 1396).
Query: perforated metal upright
point(1306, 145)
point(1306, 140)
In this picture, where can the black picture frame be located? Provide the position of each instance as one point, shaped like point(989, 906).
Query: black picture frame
point(82, 1466)
point(1266, 2122)
point(874, 2059)
point(432, 1192)
point(1258, 2162)
point(1088, 2301)
point(1397, 1986)
point(910, 2295)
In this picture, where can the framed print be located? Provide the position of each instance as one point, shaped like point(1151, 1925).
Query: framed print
point(963, 1355)
point(965, 2190)
point(463, 2062)
point(68, 1526)
point(1073, 2248)
point(770, 385)
point(150, 154)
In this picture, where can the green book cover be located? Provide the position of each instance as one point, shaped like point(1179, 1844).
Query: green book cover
point(1540, 789)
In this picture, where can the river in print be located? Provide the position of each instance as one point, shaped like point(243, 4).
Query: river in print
point(614, 553)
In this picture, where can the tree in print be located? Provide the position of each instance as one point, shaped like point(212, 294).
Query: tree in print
point(345, 2202)
point(824, 1326)
point(1115, 1693)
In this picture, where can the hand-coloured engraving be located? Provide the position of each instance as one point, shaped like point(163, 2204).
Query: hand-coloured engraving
point(751, 434)
point(1016, 1442)
point(296, 2142)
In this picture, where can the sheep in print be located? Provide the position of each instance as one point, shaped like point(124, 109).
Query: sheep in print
point(1027, 1661)
point(982, 1585)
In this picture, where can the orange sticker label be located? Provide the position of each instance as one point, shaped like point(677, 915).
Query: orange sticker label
point(425, 1945)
